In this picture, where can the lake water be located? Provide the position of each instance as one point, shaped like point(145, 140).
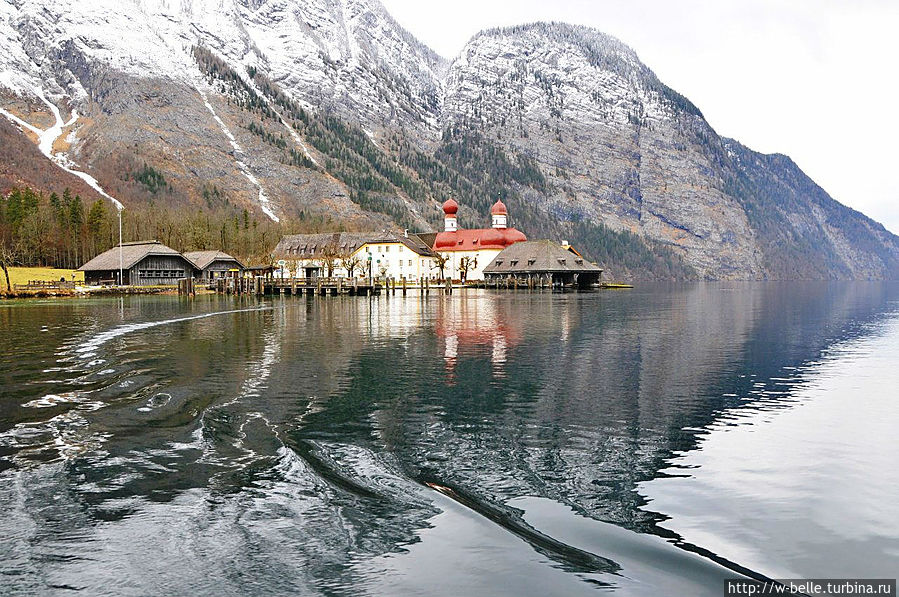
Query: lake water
point(646, 442)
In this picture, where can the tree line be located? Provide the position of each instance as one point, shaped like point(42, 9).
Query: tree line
point(65, 231)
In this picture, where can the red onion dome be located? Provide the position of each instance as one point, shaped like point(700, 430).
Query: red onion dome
point(450, 207)
point(499, 209)
point(512, 236)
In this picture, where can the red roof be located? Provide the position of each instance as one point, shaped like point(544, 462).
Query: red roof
point(499, 209)
point(450, 207)
point(480, 238)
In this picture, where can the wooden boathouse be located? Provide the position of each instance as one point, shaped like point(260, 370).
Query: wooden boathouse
point(143, 263)
point(212, 265)
point(539, 263)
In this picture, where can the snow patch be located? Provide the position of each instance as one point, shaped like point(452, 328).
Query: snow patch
point(264, 203)
point(47, 137)
point(294, 135)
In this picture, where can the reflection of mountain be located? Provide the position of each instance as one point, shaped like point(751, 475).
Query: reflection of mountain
point(597, 392)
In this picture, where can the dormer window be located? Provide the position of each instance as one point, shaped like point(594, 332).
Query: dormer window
point(562, 261)
point(532, 261)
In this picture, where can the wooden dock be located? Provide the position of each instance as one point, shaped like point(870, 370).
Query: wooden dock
point(268, 286)
point(262, 286)
point(46, 285)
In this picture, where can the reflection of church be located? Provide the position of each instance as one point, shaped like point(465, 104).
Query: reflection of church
point(473, 250)
point(473, 324)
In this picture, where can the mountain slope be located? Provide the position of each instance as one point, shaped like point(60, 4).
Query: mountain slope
point(620, 147)
point(328, 108)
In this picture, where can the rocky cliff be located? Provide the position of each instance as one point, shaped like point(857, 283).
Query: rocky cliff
point(328, 107)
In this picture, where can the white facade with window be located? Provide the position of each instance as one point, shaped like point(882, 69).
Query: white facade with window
point(348, 255)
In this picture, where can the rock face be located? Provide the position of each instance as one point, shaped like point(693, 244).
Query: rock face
point(620, 147)
point(329, 107)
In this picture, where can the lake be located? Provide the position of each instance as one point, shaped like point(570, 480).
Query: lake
point(646, 442)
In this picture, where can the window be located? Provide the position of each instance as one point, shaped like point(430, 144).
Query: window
point(387, 249)
point(160, 273)
point(410, 263)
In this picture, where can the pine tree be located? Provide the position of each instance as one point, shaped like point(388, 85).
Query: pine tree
point(96, 217)
point(76, 221)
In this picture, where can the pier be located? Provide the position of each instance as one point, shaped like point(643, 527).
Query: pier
point(320, 286)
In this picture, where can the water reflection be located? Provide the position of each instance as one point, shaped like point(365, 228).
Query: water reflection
point(475, 326)
point(347, 445)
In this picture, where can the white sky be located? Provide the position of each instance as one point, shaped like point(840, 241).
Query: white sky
point(813, 79)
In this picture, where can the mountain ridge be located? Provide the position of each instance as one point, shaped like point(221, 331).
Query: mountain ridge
point(331, 109)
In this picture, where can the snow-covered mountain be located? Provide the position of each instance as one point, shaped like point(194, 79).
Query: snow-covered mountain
point(347, 55)
point(329, 107)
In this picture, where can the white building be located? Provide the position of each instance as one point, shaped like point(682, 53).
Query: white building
point(468, 252)
point(355, 254)
point(410, 256)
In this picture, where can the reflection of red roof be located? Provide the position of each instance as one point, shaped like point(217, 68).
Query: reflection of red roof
point(480, 238)
point(474, 336)
point(450, 207)
point(499, 208)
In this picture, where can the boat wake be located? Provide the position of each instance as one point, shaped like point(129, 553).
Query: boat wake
point(88, 349)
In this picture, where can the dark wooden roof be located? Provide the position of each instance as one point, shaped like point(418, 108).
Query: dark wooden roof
point(311, 246)
point(538, 256)
point(203, 259)
point(132, 253)
point(425, 238)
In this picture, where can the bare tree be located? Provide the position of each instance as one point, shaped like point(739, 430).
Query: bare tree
point(330, 255)
point(7, 260)
point(466, 264)
point(440, 263)
point(350, 264)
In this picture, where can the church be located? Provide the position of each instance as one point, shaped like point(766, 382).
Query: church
point(468, 252)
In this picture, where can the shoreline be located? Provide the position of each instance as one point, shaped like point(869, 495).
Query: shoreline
point(87, 292)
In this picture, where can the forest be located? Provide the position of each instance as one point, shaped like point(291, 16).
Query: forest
point(61, 230)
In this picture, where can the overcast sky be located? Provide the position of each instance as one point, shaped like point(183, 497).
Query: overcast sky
point(813, 79)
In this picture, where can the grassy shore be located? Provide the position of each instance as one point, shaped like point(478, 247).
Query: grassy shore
point(23, 275)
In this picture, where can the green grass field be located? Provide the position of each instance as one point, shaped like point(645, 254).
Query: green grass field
point(22, 275)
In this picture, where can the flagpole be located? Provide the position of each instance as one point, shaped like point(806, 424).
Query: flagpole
point(121, 261)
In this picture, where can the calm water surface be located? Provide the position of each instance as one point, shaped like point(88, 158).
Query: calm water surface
point(649, 442)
